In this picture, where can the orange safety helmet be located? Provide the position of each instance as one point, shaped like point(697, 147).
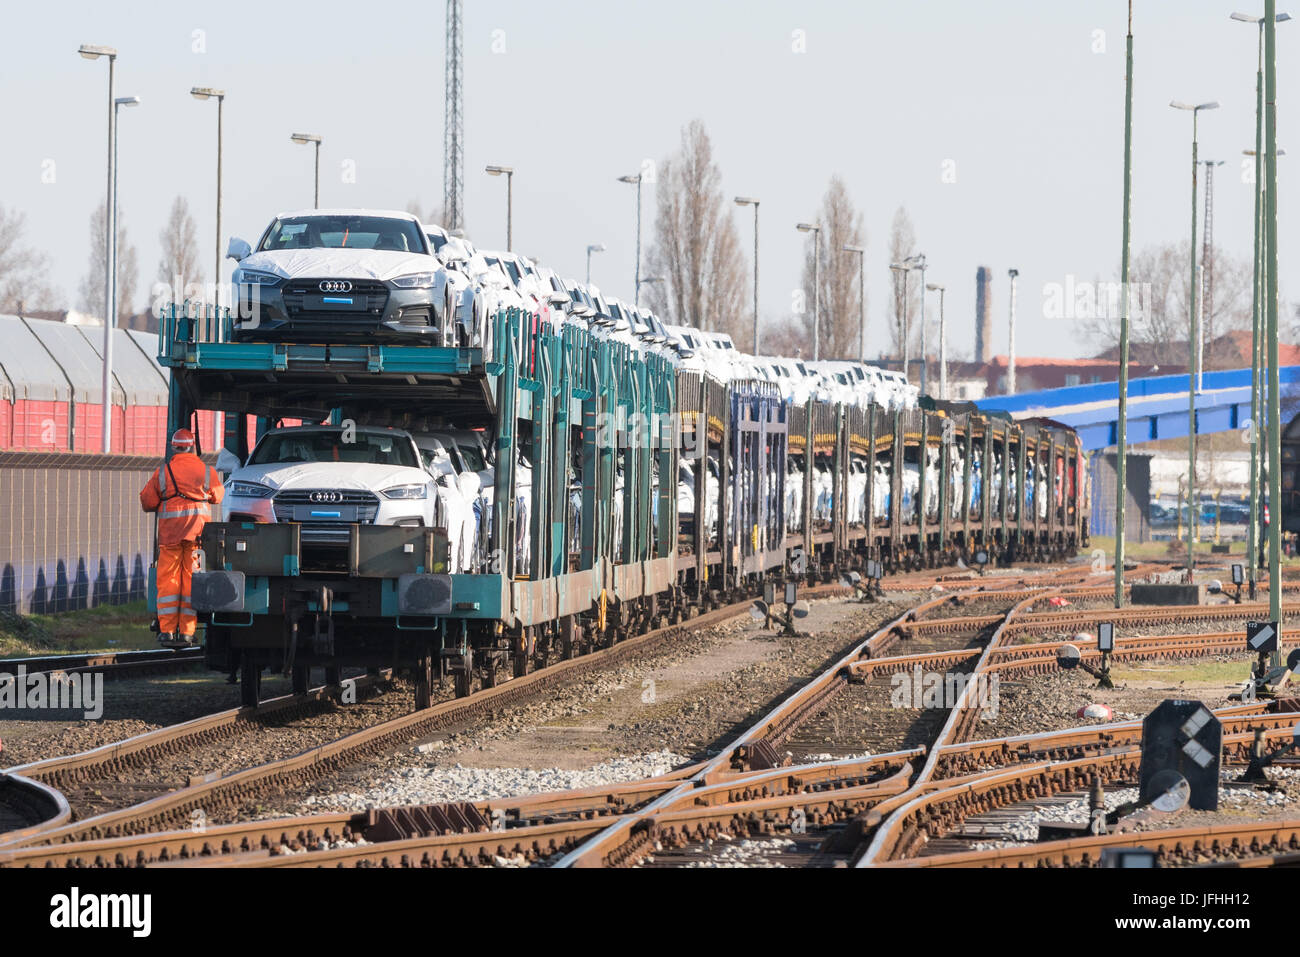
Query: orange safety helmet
point(183, 439)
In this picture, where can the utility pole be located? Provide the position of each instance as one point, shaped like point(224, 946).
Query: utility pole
point(1121, 425)
point(1256, 311)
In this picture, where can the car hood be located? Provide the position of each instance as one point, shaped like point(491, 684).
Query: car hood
point(341, 263)
point(330, 475)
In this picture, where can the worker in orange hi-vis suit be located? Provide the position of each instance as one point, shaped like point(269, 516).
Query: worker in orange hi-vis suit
point(179, 492)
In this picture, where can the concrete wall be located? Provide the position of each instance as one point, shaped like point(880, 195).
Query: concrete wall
point(1104, 478)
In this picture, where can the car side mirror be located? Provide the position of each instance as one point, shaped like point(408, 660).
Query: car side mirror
point(227, 461)
point(238, 250)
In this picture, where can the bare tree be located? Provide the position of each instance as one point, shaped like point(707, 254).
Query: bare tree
point(902, 244)
point(24, 272)
point(787, 337)
point(92, 286)
point(432, 216)
point(840, 307)
point(179, 266)
point(697, 247)
point(1160, 293)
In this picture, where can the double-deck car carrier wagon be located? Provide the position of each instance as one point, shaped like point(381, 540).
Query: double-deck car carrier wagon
point(626, 491)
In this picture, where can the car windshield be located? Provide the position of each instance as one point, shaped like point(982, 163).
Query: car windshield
point(329, 445)
point(473, 457)
point(344, 232)
point(437, 240)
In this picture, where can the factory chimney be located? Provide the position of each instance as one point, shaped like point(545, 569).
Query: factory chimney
point(983, 314)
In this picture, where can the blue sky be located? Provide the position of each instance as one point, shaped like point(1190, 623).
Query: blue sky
point(574, 94)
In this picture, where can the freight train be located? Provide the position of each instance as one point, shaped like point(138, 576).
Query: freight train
point(624, 488)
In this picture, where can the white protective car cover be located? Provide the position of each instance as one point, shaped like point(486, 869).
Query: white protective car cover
point(349, 263)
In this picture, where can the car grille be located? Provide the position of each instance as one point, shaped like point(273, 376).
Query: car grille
point(370, 297)
point(353, 505)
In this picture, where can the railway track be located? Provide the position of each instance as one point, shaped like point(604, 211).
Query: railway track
point(174, 809)
point(113, 665)
point(225, 795)
point(28, 807)
point(828, 811)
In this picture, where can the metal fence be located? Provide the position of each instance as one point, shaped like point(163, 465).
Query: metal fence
point(72, 534)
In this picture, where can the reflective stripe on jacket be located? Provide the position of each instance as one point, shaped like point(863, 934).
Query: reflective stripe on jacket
point(180, 491)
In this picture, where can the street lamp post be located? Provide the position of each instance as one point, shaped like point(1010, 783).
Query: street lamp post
point(816, 230)
point(93, 52)
point(648, 280)
point(1011, 335)
point(510, 201)
point(862, 296)
point(637, 180)
point(1191, 348)
point(203, 93)
point(1256, 399)
point(302, 139)
point(918, 262)
point(112, 319)
point(904, 268)
point(943, 342)
point(593, 248)
point(750, 201)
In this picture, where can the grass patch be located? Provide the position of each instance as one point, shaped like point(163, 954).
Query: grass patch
point(1220, 673)
point(1145, 551)
point(102, 628)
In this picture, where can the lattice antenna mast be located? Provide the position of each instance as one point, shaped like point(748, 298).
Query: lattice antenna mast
point(1207, 259)
point(453, 170)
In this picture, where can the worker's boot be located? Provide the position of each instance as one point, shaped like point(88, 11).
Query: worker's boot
point(166, 637)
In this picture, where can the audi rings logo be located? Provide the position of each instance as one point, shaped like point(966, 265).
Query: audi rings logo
point(335, 285)
point(326, 498)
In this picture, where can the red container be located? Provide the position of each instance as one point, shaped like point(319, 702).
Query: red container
point(40, 424)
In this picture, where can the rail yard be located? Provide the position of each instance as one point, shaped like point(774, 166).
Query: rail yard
point(388, 540)
point(825, 773)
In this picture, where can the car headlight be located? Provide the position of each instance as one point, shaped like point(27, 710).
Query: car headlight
point(406, 491)
point(251, 278)
point(416, 280)
point(249, 490)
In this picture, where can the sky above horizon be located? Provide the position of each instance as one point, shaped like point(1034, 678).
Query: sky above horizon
point(999, 126)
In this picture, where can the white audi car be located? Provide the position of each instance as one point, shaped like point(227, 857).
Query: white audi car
point(342, 273)
point(328, 477)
